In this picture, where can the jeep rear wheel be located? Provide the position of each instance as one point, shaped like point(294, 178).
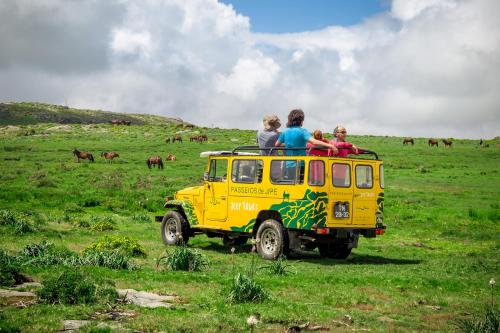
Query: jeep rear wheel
point(174, 229)
point(334, 251)
point(272, 240)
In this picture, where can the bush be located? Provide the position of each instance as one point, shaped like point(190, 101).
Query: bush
point(75, 287)
point(245, 289)
point(489, 322)
point(102, 223)
point(141, 218)
point(124, 244)
point(184, 259)
point(9, 270)
point(21, 223)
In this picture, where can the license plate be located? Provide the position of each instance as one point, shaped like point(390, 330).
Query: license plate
point(341, 210)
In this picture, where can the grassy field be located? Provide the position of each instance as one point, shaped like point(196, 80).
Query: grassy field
point(432, 266)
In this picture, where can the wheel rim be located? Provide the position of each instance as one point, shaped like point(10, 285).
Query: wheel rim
point(269, 241)
point(171, 229)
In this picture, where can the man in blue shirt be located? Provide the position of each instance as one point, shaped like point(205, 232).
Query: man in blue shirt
point(297, 137)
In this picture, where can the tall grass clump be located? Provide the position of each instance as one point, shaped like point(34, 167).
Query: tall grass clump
point(113, 259)
point(72, 286)
point(244, 289)
point(183, 258)
point(102, 223)
point(278, 267)
point(489, 322)
point(141, 218)
point(124, 244)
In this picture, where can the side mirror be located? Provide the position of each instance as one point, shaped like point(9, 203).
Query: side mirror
point(205, 176)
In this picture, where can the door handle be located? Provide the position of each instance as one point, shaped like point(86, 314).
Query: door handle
point(223, 198)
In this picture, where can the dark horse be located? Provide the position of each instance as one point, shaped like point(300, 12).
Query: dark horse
point(433, 142)
point(408, 140)
point(83, 155)
point(177, 138)
point(153, 161)
point(447, 143)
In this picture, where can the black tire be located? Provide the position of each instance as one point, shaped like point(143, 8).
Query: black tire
point(272, 240)
point(334, 251)
point(236, 241)
point(174, 229)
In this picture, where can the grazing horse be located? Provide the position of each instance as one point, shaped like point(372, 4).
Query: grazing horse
point(120, 122)
point(408, 140)
point(167, 140)
point(83, 155)
point(433, 142)
point(177, 138)
point(109, 155)
point(447, 143)
point(154, 161)
point(203, 137)
point(170, 157)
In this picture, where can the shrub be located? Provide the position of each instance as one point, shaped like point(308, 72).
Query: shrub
point(45, 254)
point(102, 223)
point(184, 259)
point(489, 322)
point(122, 243)
point(75, 287)
point(21, 223)
point(141, 218)
point(9, 270)
point(245, 289)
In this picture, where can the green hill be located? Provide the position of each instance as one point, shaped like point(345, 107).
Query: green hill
point(34, 113)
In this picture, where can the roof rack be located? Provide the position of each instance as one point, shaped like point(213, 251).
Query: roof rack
point(274, 149)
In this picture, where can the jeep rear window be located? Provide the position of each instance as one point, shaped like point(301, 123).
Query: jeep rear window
point(287, 172)
point(247, 171)
point(341, 175)
point(218, 170)
point(381, 173)
point(364, 176)
point(316, 173)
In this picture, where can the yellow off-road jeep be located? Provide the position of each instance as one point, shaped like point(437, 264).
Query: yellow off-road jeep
point(281, 202)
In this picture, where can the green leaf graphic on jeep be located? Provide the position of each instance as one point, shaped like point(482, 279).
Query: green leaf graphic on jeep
point(187, 207)
point(299, 214)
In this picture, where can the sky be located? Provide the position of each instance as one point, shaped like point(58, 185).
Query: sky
point(423, 68)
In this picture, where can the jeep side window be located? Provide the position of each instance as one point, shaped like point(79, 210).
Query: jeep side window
point(247, 171)
point(341, 175)
point(316, 173)
point(218, 170)
point(364, 176)
point(287, 172)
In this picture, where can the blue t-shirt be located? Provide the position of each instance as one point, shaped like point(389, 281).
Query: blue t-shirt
point(295, 137)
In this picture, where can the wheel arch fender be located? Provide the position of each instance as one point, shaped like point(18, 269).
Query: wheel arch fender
point(266, 215)
point(185, 208)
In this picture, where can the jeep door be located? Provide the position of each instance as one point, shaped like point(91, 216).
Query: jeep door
point(365, 201)
point(216, 187)
point(340, 192)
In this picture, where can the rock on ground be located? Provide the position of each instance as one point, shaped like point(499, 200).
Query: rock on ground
point(145, 299)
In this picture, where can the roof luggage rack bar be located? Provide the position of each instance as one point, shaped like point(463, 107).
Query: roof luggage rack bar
point(273, 149)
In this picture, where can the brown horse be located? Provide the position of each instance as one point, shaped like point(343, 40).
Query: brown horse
point(154, 161)
point(120, 122)
point(177, 138)
point(109, 155)
point(433, 142)
point(447, 143)
point(83, 155)
point(408, 140)
point(170, 157)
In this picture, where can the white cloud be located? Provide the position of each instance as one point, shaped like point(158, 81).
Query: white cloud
point(424, 68)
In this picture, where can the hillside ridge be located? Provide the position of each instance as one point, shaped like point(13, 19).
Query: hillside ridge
point(26, 113)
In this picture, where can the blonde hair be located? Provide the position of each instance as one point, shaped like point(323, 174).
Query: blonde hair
point(318, 135)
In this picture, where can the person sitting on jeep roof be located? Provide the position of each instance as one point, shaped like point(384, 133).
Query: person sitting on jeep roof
point(267, 137)
point(297, 137)
point(318, 135)
point(346, 148)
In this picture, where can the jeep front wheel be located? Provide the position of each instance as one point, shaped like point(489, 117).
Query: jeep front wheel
point(272, 240)
point(174, 229)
